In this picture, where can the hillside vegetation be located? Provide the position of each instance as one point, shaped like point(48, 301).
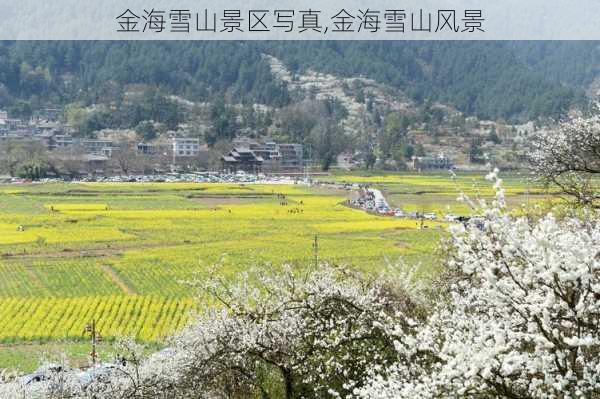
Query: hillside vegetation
point(484, 79)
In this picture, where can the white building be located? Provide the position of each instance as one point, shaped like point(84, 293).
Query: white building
point(98, 147)
point(185, 147)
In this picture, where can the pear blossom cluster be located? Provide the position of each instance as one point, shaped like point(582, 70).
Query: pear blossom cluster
point(520, 319)
point(316, 334)
point(568, 157)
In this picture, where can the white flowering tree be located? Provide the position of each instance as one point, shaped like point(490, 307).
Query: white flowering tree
point(287, 334)
point(292, 335)
point(520, 318)
point(569, 157)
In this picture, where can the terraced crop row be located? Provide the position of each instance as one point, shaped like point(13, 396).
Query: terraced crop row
point(146, 318)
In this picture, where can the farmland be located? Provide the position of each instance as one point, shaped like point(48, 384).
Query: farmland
point(122, 253)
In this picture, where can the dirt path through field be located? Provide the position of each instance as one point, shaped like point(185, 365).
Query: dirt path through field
point(88, 253)
point(114, 277)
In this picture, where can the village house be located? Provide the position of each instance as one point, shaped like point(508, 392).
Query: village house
point(291, 156)
point(275, 156)
point(146, 149)
point(242, 159)
point(185, 147)
point(98, 147)
point(440, 162)
point(61, 141)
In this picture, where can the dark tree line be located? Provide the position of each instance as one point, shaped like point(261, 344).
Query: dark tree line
point(488, 80)
point(33, 74)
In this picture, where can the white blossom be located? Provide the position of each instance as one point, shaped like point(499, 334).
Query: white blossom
point(521, 316)
point(568, 157)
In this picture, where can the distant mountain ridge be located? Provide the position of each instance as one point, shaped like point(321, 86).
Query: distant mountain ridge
point(491, 80)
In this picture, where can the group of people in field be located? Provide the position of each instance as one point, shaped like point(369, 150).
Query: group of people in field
point(283, 202)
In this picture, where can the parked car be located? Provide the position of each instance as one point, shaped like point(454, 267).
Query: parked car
point(42, 374)
point(452, 218)
point(99, 374)
point(430, 216)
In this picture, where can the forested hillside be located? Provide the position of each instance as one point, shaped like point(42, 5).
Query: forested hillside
point(514, 81)
point(572, 63)
point(64, 72)
point(485, 79)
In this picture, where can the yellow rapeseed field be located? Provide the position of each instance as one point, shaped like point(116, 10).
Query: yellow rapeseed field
point(121, 253)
